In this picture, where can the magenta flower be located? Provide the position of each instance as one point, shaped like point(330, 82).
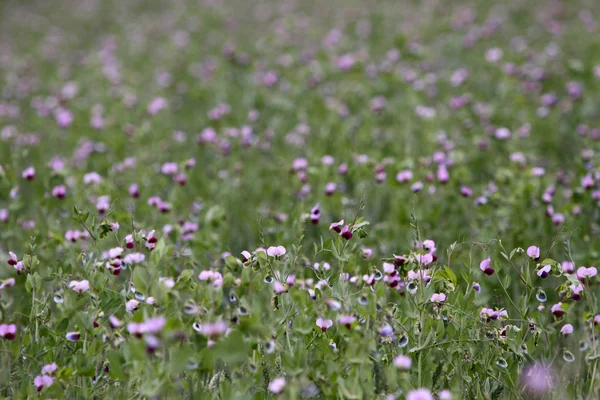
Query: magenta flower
point(485, 266)
point(445, 394)
point(419, 394)
point(402, 362)
point(566, 330)
point(330, 188)
point(8, 331)
point(72, 336)
point(276, 251)
point(533, 252)
point(277, 385)
point(40, 382)
point(324, 323)
point(80, 286)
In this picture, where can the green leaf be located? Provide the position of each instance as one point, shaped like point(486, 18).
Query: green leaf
point(232, 350)
point(115, 361)
point(141, 277)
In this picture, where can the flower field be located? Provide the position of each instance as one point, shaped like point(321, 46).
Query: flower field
point(299, 199)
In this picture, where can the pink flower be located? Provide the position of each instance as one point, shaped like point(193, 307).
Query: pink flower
point(544, 271)
point(92, 178)
point(485, 266)
point(276, 251)
point(419, 394)
point(72, 236)
point(59, 191)
point(278, 287)
point(156, 105)
point(134, 258)
point(212, 329)
point(13, 259)
point(402, 362)
point(132, 305)
point(10, 282)
point(438, 298)
point(419, 274)
point(424, 259)
point(557, 309)
point(213, 277)
point(583, 272)
point(277, 385)
point(49, 369)
point(445, 394)
point(28, 173)
point(347, 320)
point(567, 329)
point(537, 380)
point(324, 323)
point(568, 267)
point(40, 382)
point(115, 322)
point(80, 286)
point(346, 233)
point(8, 331)
point(290, 280)
point(336, 226)
point(533, 252)
point(404, 176)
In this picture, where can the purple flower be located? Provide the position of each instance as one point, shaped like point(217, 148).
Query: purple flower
point(72, 336)
point(485, 266)
point(544, 271)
